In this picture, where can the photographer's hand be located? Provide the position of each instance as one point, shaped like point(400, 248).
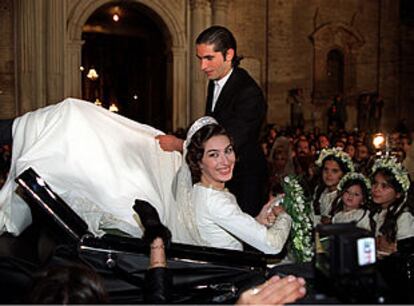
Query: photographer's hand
point(275, 291)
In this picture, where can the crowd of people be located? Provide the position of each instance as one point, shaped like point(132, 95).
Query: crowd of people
point(226, 185)
point(348, 180)
point(299, 149)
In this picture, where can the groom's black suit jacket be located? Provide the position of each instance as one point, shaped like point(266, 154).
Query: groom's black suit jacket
point(241, 110)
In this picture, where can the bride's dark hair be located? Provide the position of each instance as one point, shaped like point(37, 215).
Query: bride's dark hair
point(195, 149)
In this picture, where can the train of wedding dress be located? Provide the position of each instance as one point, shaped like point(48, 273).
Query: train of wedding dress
point(98, 162)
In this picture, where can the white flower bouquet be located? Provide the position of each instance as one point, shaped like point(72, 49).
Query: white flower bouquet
point(297, 206)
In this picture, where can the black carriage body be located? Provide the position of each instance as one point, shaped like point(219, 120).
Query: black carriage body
point(201, 275)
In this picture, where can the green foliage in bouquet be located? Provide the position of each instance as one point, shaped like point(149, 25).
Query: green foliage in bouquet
point(298, 207)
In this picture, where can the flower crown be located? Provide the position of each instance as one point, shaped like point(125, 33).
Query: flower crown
point(339, 154)
point(354, 176)
point(396, 168)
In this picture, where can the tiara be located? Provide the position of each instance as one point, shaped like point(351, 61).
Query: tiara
point(339, 154)
point(398, 171)
point(198, 124)
point(354, 176)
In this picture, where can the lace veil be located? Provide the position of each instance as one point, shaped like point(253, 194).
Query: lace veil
point(182, 187)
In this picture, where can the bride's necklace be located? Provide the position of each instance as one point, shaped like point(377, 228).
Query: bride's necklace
point(210, 186)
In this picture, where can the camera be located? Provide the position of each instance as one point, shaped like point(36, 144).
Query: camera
point(345, 264)
point(343, 249)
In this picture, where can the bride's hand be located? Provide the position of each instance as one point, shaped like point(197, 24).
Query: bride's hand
point(277, 210)
point(266, 215)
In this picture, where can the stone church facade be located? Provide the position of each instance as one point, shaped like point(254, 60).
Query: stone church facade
point(321, 46)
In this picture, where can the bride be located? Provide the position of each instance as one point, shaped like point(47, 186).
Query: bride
point(99, 162)
point(212, 212)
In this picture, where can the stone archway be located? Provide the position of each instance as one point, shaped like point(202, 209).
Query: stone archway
point(328, 37)
point(174, 30)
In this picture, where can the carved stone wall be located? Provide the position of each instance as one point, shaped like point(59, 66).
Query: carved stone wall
point(7, 61)
point(297, 60)
point(284, 43)
point(335, 36)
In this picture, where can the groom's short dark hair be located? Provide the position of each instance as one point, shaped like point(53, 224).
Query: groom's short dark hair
point(222, 39)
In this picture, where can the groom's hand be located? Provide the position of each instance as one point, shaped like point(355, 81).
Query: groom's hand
point(170, 143)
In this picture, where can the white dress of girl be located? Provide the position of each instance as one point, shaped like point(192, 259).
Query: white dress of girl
point(360, 216)
point(405, 224)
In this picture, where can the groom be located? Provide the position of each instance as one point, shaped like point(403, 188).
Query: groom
point(236, 101)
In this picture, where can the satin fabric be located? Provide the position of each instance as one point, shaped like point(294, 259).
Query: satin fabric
point(97, 161)
point(221, 223)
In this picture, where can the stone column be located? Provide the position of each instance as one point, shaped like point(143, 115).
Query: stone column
point(220, 11)
point(72, 75)
point(198, 22)
point(388, 72)
point(179, 88)
point(55, 51)
point(31, 71)
point(7, 60)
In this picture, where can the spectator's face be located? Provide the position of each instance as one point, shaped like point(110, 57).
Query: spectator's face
point(362, 153)
point(395, 140)
point(399, 154)
point(340, 144)
point(218, 161)
point(405, 145)
point(353, 197)
point(272, 133)
point(212, 63)
point(331, 174)
point(303, 148)
point(280, 161)
point(350, 150)
point(323, 142)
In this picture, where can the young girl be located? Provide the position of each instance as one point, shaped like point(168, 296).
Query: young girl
point(390, 217)
point(351, 205)
point(334, 164)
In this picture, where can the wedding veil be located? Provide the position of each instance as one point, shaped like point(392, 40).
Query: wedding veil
point(182, 187)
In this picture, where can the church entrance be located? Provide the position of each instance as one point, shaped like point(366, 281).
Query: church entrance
point(124, 65)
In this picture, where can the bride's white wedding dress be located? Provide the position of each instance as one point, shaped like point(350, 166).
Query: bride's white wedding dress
point(98, 162)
